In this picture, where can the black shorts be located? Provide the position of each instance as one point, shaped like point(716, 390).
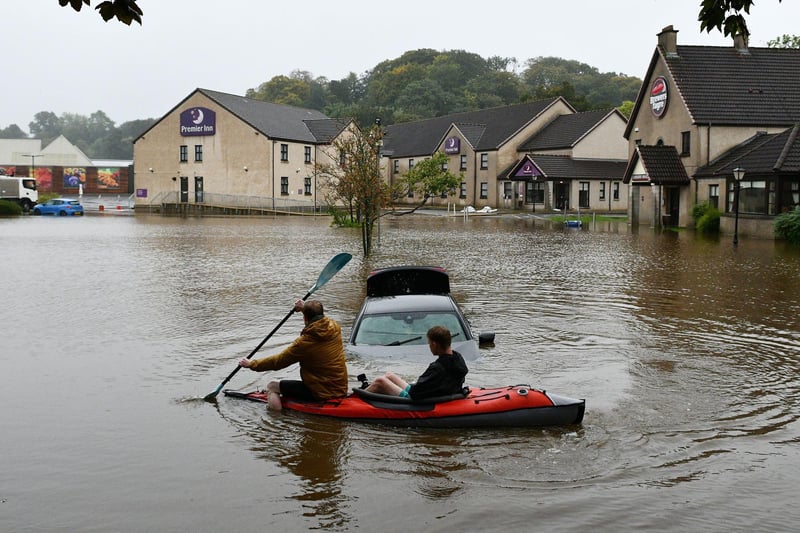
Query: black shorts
point(294, 388)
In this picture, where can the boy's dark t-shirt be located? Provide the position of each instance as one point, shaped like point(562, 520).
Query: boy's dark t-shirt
point(443, 377)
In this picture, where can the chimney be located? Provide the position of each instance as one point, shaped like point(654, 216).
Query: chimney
point(668, 41)
point(740, 43)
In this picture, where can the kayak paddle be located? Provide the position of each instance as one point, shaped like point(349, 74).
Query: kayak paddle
point(330, 270)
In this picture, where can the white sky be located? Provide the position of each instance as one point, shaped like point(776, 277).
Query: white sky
point(58, 60)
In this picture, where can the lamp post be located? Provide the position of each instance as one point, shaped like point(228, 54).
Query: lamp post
point(33, 163)
point(738, 174)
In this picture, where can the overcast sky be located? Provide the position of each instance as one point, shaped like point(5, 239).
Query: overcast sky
point(58, 60)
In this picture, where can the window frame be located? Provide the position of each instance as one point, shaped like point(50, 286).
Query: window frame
point(198, 153)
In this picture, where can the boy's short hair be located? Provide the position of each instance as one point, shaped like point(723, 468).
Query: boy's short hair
point(440, 335)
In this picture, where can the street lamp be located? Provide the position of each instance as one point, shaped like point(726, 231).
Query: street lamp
point(33, 163)
point(738, 174)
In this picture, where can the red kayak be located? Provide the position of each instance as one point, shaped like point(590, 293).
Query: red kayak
point(517, 405)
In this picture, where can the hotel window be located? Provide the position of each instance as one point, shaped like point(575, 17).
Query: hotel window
point(484, 190)
point(615, 188)
point(463, 192)
point(284, 185)
point(444, 166)
point(198, 152)
point(184, 153)
point(463, 165)
point(284, 152)
point(508, 190)
point(396, 166)
point(686, 142)
point(602, 190)
point(308, 154)
point(484, 161)
point(307, 186)
point(410, 164)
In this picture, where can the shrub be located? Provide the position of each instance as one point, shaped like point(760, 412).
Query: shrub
point(787, 226)
point(8, 208)
point(706, 218)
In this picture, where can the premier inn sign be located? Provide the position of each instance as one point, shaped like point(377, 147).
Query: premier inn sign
point(452, 145)
point(659, 97)
point(198, 121)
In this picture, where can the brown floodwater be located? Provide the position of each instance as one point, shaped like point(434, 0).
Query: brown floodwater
point(687, 351)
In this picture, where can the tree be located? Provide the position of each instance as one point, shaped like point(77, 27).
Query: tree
point(353, 178)
point(12, 132)
point(785, 41)
point(125, 11)
point(428, 179)
point(45, 126)
point(725, 16)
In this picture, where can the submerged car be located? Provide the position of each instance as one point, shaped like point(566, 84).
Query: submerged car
point(60, 207)
point(402, 304)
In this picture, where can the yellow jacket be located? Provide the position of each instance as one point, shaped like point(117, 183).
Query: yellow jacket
point(320, 352)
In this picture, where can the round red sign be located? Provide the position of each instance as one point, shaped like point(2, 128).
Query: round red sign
point(658, 96)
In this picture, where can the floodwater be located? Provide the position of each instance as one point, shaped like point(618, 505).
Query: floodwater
point(686, 350)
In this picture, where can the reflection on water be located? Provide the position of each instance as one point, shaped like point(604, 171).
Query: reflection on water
point(685, 349)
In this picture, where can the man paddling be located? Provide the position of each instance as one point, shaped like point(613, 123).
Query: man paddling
point(320, 352)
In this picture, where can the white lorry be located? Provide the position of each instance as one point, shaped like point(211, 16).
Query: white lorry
point(21, 190)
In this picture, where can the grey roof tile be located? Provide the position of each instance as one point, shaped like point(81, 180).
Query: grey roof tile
point(662, 164)
point(564, 131)
point(722, 85)
point(762, 154)
point(276, 121)
point(498, 124)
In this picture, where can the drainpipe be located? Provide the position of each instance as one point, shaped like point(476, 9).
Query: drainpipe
point(272, 157)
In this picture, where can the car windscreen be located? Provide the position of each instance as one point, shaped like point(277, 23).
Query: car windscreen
point(405, 328)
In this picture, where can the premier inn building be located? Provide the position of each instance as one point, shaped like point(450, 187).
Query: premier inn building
point(218, 149)
point(704, 112)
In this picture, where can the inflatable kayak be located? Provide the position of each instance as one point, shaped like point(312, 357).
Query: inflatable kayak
point(511, 406)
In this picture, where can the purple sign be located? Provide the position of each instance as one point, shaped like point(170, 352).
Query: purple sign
point(198, 121)
point(452, 145)
point(141, 193)
point(527, 170)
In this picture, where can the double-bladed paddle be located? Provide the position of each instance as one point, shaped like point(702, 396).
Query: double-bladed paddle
point(330, 270)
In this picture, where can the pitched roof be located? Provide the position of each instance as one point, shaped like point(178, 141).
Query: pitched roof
point(661, 163)
point(565, 131)
point(761, 154)
point(724, 85)
point(325, 130)
point(276, 121)
point(556, 167)
point(485, 129)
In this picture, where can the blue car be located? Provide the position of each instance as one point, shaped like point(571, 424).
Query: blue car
point(59, 206)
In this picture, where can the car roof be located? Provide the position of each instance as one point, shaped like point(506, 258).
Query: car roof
point(409, 303)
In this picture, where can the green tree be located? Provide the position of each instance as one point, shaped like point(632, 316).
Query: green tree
point(353, 178)
point(626, 108)
point(125, 11)
point(785, 41)
point(282, 90)
point(725, 16)
point(12, 132)
point(428, 179)
point(45, 126)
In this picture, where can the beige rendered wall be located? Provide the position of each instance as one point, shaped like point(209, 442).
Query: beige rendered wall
point(606, 141)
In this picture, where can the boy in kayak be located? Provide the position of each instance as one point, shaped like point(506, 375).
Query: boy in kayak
point(320, 352)
point(443, 377)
